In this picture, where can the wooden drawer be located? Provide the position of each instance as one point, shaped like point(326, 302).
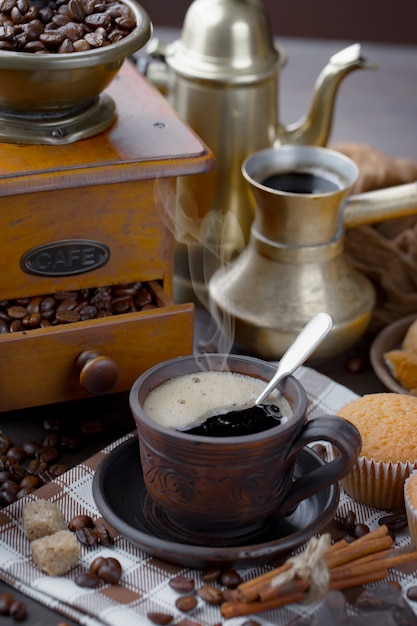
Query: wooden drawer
point(39, 366)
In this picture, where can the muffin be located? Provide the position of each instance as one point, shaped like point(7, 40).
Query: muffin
point(410, 497)
point(387, 423)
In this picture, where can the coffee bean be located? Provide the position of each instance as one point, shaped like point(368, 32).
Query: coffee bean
point(32, 320)
point(5, 443)
point(76, 10)
point(160, 618)
point(355, 365)
point(349, 520)
point(212, 575)
point(211, 595)
point(230, 578)
point(16, 312)
point(31, 448)
point(412, 593)
point(185, 604)
point(51, 425)
point(395, 521)
point(16, 453)
point(17, 471)
point(110, 571)
point(11, 486)
point(182, 584)
point(36, 466)
point(69, 442)
point(80, 521)
point(66, 317)
point(6, 600)
point(47, 454)
point(7, 497)
point(96, 563)
point(29, 481)
point(51, 440)
point(4, 475)
point(15, 326)
point(107, 568)
point(87, 536)
point(103, 533)
point(57, 469)
point(358, 530)
point(18, 610)
point(88, 580)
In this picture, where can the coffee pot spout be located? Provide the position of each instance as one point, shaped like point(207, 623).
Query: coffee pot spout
point(315, 127)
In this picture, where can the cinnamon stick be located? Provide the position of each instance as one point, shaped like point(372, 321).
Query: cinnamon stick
point(356, 550)
point(357, 581)
point(249, 590)
point(294, 592)
point(364, 569)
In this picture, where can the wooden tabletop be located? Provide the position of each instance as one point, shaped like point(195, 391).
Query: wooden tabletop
point(375, 107)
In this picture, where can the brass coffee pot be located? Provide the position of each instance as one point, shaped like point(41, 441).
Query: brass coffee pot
point(221, 76)
point(294, 265)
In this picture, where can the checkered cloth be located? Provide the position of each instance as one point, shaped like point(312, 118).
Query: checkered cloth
point(144, 586)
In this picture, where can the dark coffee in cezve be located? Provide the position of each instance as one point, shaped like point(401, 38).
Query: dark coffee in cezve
point(300, 182)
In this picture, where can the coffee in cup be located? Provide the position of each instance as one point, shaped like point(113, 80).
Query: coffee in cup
point(216, 404)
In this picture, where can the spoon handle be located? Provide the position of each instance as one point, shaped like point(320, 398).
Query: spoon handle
point(303, 346)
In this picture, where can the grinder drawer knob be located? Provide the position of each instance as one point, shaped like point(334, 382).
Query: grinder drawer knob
point(98, 373)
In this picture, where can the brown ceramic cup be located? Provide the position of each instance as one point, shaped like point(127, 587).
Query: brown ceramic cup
point(230, 486)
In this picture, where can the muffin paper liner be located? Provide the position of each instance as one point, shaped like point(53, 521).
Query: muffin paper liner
point(411, 515)
point(378, 484)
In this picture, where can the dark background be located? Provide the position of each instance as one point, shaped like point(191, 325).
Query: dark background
point(389, 21)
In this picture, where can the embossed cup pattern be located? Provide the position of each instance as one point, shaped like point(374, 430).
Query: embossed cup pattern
point(232, 485)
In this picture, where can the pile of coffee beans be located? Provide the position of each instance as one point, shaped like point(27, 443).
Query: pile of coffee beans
point(30, 464)
point(218, 585)
point(73, 306)
point(24, 469)
point(63, 26)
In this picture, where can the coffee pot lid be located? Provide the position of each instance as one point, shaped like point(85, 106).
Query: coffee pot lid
point(226, 41)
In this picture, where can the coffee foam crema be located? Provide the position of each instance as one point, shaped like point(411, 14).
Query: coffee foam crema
point(190, 399)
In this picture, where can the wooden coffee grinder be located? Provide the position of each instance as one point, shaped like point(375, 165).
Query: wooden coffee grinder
point(90, 213)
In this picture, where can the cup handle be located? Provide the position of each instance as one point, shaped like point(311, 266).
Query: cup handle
point(340, 433)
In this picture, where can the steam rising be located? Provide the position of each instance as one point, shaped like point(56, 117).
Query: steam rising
point(205, 240)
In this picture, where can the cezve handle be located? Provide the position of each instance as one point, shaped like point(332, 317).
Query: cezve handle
point(379, 205)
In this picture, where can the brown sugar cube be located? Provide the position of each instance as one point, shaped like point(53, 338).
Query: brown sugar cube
point(56, 554)
point(41, 518)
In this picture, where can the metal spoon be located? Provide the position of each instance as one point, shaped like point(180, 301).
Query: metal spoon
point(304, 345)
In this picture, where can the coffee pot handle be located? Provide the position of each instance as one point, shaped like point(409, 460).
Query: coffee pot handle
point(341, 434)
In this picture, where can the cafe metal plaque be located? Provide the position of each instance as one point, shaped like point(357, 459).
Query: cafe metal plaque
point(65, 258)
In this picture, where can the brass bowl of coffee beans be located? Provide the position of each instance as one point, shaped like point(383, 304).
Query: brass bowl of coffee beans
point(59, 56)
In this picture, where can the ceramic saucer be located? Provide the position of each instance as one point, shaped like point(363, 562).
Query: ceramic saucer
point(122, 499)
